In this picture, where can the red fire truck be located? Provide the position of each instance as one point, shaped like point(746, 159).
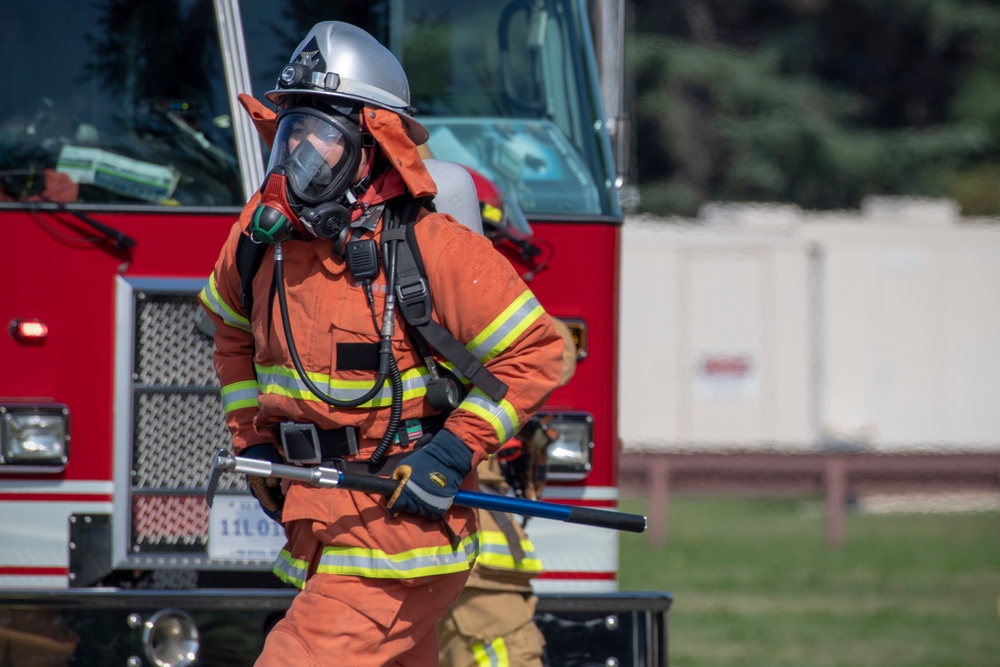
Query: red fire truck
point(124, 159)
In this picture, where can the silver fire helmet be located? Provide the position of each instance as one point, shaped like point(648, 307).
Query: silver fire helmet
point(341, 61)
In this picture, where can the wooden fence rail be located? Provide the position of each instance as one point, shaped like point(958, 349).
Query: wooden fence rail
point(837, 475)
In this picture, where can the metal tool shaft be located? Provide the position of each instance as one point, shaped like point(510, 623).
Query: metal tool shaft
point(332, 478)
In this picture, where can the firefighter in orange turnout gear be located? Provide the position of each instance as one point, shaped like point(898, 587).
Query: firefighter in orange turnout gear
point(491, 624)
point(375, 574)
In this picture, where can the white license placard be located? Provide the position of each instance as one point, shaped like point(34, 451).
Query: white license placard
point(239, 529)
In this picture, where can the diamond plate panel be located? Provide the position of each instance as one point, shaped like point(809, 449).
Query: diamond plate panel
point(170, 350)
point(178, 424)
point(176, 436)
point(169, 521)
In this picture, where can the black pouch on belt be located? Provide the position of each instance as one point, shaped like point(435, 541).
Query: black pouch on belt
point(305, 444)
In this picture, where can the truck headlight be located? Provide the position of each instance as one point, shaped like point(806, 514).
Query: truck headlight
point(170, 638)
point(34, 437)
point(571, 455)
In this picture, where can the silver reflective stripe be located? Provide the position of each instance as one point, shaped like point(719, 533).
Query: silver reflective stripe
point(505, 329)
point(291, 570)
point(501, 416)
point(210, 297)
point(504, 550)
point(240, 395)
point(496, 543)
point(429, 498)
point(423, 562)
point(492, 654)
point(282, 381)
point(495, 551)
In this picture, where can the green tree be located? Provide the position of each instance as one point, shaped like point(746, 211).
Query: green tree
point(816, 103)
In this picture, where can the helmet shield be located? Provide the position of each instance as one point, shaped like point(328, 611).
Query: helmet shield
point(318, 152)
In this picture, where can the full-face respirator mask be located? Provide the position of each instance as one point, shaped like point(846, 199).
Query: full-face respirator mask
point(314, 160)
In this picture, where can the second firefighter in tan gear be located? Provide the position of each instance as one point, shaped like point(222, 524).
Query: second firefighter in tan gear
point(492, 624)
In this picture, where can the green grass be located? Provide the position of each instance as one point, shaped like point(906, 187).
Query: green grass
point(754, 583)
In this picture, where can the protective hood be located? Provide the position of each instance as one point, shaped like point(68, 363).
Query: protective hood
point(387, 128)
point(389, 131)
point(264, 120)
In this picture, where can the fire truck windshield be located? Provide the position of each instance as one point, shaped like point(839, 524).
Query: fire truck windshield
point(508, 88)
point(125, 102)
point(114, 103)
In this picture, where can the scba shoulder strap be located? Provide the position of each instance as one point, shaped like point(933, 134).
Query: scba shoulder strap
point(249, 256)
point(412, 292)
point(414, 301)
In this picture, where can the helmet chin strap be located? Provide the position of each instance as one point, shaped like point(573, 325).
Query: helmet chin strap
point(357, 191)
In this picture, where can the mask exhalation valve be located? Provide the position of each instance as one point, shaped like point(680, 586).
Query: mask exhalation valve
point(327, 220)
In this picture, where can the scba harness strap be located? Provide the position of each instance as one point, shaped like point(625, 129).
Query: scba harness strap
point(412, 293)
point(415, 303)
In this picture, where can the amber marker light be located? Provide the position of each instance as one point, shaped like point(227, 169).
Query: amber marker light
point(578, 329)
point(28, 330)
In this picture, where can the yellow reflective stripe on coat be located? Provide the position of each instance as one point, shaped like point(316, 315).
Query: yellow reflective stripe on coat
point(506, 328)
point(286, 382)
point(501, 416)
point(421, 562)
point(240, 395)
point(210, 297)
point(291, 570)
point(491, 654)
point(494, 551)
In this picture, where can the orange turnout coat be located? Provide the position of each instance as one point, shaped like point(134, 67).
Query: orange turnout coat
point(476, 295)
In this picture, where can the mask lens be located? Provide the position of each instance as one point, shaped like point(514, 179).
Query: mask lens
point(318, 157)
point(325, 138)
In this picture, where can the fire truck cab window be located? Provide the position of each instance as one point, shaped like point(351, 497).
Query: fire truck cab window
point(114, 102)
point(503, 87)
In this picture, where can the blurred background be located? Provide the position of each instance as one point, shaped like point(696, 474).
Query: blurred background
point(809, 343)
point(816, 102)
point(809, 316)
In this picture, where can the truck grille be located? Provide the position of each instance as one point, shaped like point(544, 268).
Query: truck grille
point(178, 424)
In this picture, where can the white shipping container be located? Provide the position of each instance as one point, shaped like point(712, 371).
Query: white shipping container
point(769, 328)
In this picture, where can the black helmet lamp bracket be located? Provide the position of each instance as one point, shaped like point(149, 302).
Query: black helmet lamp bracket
point(300, 75)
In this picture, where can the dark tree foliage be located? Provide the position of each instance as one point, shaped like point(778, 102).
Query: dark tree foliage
point(816, 102)
point(127, 58)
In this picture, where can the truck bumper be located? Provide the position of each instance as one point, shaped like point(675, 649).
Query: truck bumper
point(226, 628)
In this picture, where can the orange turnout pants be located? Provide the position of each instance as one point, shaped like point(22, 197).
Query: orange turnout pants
point(362, 622)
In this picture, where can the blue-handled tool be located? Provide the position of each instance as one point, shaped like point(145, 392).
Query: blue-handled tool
point(333, 478)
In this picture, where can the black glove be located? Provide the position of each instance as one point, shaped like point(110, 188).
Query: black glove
point(429, 477)
point(267, 490)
